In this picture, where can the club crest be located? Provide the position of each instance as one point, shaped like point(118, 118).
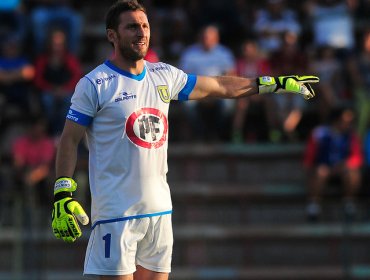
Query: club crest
point(164, 93)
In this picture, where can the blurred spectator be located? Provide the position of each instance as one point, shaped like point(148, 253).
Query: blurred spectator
point(151, 56)
point(16, 72)
point(326, 65)
point(12, 20)
point(33, 157)
point(359, 70)
point(289, 58)
point(245, 14)
point(254, 116)
point(332, 23)
point(208, 57)
point(361, 13)
point(334, 153)
point(174, 16)
point(57, 73)
point(46, 15)
point(272, 22)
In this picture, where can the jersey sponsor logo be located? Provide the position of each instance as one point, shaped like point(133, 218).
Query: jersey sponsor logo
point(125, 96)
point(72, 116)
point(164, 93)
point(147, 128)
point(105, 79)
point(62, 184)
point(266, 79)
point(159, 68)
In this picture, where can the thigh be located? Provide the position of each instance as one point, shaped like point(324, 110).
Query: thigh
point(142, 273)
point(154, 252)
point(112, 248)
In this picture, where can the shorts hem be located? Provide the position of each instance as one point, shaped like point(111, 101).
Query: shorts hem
point(109, 272)
point(154, 268)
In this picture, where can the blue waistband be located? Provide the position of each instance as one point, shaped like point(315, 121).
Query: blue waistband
point(130, 218)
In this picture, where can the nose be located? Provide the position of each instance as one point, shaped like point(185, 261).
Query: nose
point(140, 31)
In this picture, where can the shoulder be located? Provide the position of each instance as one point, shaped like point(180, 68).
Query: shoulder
point(192, 49)
point(222, 49)
point(160, 68)
point(321, 132)
point(20, 141)
point(157, 66)
point(100, 75)
point(99, 71)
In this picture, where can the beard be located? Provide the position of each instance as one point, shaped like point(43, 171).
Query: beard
point(130, 53)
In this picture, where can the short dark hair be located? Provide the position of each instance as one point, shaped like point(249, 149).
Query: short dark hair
point(337, 112)
point(112, 17)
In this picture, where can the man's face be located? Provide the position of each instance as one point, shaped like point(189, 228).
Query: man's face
point(210, 37)
point(132, 36)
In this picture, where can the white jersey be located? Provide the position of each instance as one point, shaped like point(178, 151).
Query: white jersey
point(127, 133)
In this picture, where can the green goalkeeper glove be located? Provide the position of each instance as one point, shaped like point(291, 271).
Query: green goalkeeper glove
point(295, 84)
point(67, 211)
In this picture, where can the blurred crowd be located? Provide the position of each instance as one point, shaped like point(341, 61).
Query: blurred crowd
point(45, 49)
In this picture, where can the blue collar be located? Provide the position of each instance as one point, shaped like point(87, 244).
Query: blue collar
point(125, 73)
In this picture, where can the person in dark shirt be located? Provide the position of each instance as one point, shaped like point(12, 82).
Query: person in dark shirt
point(334, 151)
point(16, 72)
point(57, 73)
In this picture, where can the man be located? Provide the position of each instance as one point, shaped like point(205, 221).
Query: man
point(122, 106)
point(334, 153)
point(208, 119)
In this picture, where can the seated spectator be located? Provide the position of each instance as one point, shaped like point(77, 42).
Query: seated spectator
point(208, 57)
point(334, 152)
point(332, 23)
point(272, 22)
point(254, 116)
point(33, 158)
point(46, 15)
point(16, 72)
point(328, 67)
point(57, 73)
point(359, 73)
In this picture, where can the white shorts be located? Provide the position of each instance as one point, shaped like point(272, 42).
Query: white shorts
point(116, 248)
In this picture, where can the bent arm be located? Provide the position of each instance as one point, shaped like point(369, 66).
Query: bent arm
point(67, 149)
point(223, 87)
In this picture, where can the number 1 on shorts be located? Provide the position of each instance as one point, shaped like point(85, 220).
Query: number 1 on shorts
point(107, 239)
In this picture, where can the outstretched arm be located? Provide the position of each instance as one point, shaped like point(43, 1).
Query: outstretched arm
point(236, 87)
point(223, 87)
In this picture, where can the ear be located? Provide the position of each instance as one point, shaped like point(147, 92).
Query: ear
point(111, 35)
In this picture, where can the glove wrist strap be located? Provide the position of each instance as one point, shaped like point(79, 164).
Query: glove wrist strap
point(64, 184)
point(266, 84)
point(60, 195)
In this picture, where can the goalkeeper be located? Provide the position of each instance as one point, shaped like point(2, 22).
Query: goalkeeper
point(122, 107)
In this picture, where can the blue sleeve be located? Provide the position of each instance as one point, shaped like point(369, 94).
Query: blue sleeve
point(79, 118)
point(188, 88)
point(367, 148)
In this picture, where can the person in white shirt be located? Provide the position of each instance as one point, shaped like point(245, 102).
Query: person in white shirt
point(122, 108)
point(208, 119)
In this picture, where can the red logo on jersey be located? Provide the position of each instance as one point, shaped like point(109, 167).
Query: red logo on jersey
point(147, 128)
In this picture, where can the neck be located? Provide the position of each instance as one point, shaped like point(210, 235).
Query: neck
point(135, 67)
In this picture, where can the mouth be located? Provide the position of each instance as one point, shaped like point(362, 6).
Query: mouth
point(140, 44)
